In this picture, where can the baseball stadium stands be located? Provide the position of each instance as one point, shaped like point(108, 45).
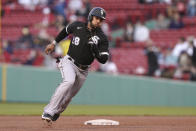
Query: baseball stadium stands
point(124, 56)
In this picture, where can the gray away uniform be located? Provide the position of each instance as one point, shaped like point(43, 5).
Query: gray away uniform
point(84, 48)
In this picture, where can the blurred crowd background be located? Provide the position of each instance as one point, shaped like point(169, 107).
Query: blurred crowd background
point(156, 38)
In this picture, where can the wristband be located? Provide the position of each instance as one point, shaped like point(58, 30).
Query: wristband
point(54, 42)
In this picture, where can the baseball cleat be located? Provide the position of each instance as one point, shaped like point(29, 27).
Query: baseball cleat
point(55, 117)
point(47, 119)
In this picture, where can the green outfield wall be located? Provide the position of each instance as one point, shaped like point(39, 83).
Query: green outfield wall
point(29, 84)
point(1, 82)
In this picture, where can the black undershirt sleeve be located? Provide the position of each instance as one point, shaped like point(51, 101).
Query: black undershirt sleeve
point(61, 35)
point(66, 31)
point(102, 58)
point(101, 51)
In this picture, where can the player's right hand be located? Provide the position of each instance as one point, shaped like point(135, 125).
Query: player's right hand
point(49, 48)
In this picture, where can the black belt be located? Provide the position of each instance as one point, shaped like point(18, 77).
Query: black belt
point(83, 67)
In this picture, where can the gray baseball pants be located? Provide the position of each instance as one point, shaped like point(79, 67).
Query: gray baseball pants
point(73, 79)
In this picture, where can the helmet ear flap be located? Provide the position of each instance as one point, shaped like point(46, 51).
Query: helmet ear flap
point(90, 18)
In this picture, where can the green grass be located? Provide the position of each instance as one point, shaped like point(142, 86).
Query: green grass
point(36, 109)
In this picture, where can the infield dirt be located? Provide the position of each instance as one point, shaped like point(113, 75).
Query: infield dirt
point(76, 123)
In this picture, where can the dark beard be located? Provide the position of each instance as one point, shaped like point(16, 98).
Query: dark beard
point(92, 26)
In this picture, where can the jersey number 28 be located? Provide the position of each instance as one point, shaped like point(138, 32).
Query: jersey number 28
point(76, 41)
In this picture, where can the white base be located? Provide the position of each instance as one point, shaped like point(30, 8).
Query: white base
point(101, 122)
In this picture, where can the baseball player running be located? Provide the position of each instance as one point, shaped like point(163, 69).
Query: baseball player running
point(88, 42)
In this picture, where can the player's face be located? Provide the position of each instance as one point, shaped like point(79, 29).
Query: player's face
point(96, 22)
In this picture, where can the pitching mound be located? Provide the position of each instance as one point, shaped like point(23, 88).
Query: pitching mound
point(76, 123)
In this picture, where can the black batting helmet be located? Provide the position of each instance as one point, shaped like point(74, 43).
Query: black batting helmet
point(97, 11)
